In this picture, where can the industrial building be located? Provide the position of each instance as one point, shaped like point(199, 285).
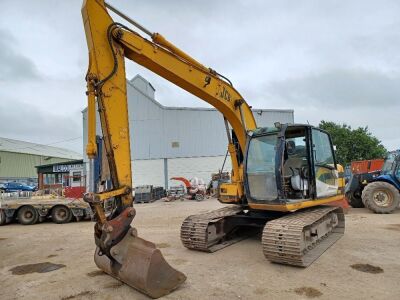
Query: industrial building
point(177, 141)
point(18, 159)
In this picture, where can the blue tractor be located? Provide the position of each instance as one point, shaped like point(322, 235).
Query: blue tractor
point(382, 194)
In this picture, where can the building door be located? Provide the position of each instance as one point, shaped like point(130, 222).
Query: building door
point(66, 179)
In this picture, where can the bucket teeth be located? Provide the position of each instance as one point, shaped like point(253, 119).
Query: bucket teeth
point(139, 264)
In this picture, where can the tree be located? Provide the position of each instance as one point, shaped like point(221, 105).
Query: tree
point(353, 144)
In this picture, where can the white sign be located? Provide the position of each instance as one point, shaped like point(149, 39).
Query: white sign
point(66, 168)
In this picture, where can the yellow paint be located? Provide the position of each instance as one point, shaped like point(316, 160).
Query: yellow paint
point(109, 194)
point(295, 206)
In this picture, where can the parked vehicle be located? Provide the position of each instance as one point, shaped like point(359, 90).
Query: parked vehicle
point(31, 210)
point(362, 172)
point(16, 187)
point(382, 194)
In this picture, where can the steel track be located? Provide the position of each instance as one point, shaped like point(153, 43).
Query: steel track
point(287, 240)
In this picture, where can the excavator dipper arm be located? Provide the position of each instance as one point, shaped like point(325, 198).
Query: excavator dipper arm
point(109, 43)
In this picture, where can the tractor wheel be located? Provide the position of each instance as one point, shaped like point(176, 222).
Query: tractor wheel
point(61, 214)
point(27, 215)
point(354, 201)
point(381, 197)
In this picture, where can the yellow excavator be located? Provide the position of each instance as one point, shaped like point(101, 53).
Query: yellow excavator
point(285, 178)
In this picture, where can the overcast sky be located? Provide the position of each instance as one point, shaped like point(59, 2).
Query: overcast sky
point(327, 60)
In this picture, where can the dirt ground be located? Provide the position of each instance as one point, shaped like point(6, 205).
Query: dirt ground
point(364, 264)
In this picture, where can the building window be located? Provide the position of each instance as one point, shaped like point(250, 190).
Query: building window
point(58, 178)
point(175, 144)
point(49, 179)
point(76, 176)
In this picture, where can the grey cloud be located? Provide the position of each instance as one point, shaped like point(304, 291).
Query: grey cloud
point(347, 88)
point(279, 54)
point(27, 122)
point(14, 65)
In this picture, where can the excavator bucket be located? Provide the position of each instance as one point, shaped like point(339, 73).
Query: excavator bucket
point(139, 264)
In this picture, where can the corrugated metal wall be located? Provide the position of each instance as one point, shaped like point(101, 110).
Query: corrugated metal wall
point(193, 140)
point(18, 165)
point(165, 132)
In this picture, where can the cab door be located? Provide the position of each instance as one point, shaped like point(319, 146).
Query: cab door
point(326, 175)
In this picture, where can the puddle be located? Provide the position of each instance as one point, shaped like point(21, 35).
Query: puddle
point(82, 295)
point(163, 245)
point(36, 268)
point(367, 268)
point(95, 273)
point(309, 292)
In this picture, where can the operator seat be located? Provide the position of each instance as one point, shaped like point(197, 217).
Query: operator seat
point(297, 159)
point(294, 160)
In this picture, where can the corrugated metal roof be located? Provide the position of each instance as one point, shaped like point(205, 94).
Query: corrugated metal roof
point(16, 146)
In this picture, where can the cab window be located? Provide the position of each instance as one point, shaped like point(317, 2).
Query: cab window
point(326, 176)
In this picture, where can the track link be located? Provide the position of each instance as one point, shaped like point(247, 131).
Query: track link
point(300, 238)
point(206, 232)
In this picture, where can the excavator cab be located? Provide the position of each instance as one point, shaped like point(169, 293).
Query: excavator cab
point(289, 164)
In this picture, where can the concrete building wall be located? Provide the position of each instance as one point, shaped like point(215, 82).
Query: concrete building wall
point(201, 167)
point(149, 171)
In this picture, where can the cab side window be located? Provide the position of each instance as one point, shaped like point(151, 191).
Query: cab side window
point(326, 176)
point(323, 154)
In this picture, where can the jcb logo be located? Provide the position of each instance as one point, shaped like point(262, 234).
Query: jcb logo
point(224, 94)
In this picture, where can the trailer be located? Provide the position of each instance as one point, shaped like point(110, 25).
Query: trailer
point(29, 210)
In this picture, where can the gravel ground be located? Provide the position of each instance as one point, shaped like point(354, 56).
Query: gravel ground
point(364, 264)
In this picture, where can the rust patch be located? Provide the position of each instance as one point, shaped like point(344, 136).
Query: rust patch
point(82, 295)
point(395, 227)
point(309, 292)
point(36, 268)
point(96, 273)
point(52, 255)
point(163, 245)
point(114, 285)
point(367, 268)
